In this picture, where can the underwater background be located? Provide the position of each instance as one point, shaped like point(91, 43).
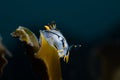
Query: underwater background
point(91, 23)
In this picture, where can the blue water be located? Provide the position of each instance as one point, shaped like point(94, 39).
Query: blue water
point(81, 21)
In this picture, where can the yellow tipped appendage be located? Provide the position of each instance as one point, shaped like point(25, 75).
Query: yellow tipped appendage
point(66, 58)
point(47, 28)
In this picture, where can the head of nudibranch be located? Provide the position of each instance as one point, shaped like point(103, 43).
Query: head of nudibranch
point(56, 39)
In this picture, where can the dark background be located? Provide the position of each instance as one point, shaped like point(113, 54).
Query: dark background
point(86, 22)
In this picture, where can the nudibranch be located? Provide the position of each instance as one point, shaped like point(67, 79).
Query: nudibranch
point(57, 40)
